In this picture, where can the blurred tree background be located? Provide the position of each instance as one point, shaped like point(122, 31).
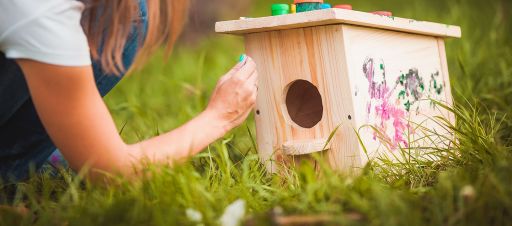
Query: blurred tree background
point(204, 13)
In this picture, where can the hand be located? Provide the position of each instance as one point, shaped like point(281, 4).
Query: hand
point(235, 94)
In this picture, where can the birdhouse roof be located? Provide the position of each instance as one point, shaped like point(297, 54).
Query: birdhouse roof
point(335, 16)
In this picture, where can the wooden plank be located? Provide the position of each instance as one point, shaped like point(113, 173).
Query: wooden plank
point(281, 58)
point(302, 147)
point(404, 72)
point(447, 84)
point(446, 76)
point(336, 16)
point(343, 154)
point(312, 54)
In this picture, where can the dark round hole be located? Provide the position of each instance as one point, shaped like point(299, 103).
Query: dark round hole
point(349, 117)
point(257, 112)
point(304, 103)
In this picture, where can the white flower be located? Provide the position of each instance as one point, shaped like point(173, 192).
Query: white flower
point(194, 215)
point(468, 193)
point(233, 213)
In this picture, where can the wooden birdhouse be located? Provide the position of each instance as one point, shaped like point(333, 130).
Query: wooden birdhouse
point(377, 79)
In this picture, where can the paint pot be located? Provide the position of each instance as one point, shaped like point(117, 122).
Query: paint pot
point(349, 7)
point(383, 13)
point(325, 6)
point(280, 9)
point(308, 5)
point(304, 7)
point(293, 8)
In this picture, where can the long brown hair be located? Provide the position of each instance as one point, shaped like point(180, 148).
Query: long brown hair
point(107, 24)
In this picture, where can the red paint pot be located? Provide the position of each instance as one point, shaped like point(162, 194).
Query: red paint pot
point(383, 13)
point(307, 1)
point(349, 7)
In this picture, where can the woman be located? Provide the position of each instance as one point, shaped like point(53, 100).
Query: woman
point(58, 57)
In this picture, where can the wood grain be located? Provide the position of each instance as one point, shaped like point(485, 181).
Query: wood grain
point(336, 16)
point(302, 147)
point(312, 54)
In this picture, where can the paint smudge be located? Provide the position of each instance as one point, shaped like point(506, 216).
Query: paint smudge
point(412, 87)
point(385, 112)
point(392, 112)
point(435, 88)
point(434, 85)
point(377, 82)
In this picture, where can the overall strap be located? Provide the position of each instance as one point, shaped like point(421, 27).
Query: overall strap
point(13, 88)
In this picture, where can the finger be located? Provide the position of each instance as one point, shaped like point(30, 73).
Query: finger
point(254, 96)
point(242, 117)
point(253, 79)
point(247, 69)
point(237, 67)
point(223, 79)
point(219, 84)
point(250, 93)
point(246, 114)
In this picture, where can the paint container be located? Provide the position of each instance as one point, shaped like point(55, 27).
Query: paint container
point(308, 5)
point(349, 7)
point(293, 8)
point(383, 13)
point(280, 9)
point(325, 6)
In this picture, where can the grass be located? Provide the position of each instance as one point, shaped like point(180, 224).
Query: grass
point(468, 185)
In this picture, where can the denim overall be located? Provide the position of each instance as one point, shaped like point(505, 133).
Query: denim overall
point(24, 144)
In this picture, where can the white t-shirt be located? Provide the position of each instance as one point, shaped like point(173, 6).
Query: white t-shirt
point(48, 31)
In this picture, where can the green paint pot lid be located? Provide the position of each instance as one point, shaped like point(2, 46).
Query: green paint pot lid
point(280, 7)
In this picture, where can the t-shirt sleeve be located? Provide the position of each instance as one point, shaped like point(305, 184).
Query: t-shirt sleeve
point(52, 36)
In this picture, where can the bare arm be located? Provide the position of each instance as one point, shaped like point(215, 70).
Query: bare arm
point(78, 122)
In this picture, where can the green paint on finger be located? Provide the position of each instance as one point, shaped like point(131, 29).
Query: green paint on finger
point(242, 58)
